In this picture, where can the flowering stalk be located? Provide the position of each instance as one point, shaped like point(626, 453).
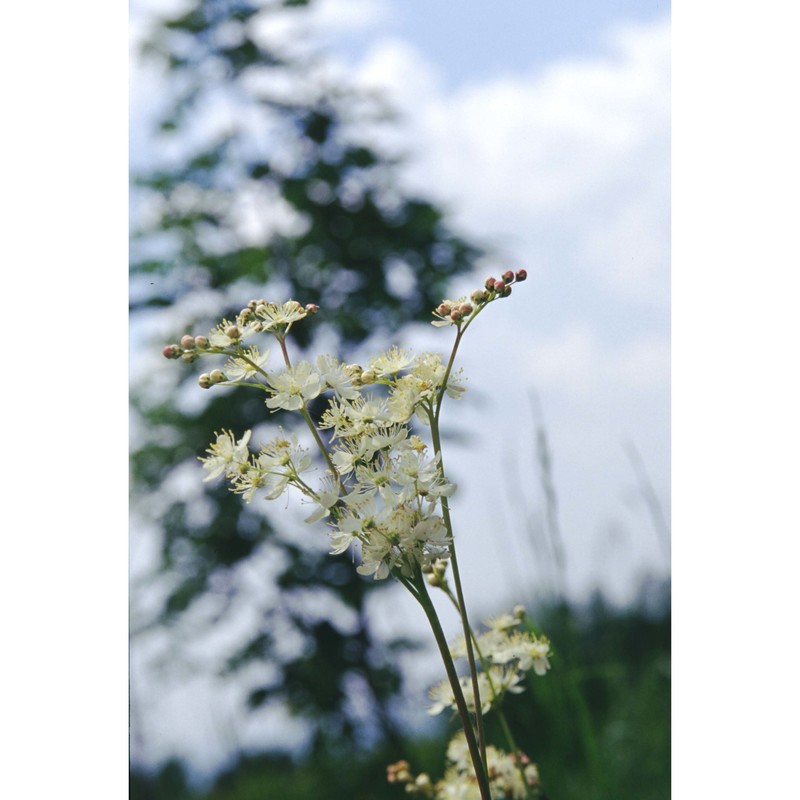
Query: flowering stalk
point(383, 493)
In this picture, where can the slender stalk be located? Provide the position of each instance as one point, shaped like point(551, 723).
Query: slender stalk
point(478, 761)
point(462, 609)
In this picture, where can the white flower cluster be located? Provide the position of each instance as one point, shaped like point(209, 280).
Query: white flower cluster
point(505, 775)
point(383, 489)
point(507, 654)
point(512, 777)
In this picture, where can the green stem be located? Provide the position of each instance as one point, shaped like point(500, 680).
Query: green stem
point(478, 761)
point(462, 609)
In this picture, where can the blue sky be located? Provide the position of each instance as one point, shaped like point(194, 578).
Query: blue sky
point(470, 41)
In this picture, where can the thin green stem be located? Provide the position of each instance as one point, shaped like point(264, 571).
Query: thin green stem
point(437, 445)
point(478, 760)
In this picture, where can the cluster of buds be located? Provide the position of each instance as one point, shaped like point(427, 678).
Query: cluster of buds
point(462, 311)
point(456, 311)
point(420, 785)
point(188, 349)
point(502, 287)
point(209, 379)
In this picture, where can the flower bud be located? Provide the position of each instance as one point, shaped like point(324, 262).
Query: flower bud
point(465, 309)
point(367, 376)
point(187, 358)
point(508, 276)
point(443, 310)
point(187, 342)
point(217, 376)
point(172, 351)
point(205, 381)
point(232, 332)
point(201, 342)
point(252, 305)
point(399, 772)
point(244, 315)
point(521, 275)
point(480, 296)
point(256, 326)
point(490, 283)
point(506, 291)
point(499, 287)
point(312, 308)
point(455, 315)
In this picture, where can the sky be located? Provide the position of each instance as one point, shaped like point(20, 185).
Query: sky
point(544, 130)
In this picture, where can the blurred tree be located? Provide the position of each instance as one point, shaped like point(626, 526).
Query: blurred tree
point(261, 182)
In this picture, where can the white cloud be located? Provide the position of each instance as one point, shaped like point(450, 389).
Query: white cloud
point(579, 150)
point(575, 361)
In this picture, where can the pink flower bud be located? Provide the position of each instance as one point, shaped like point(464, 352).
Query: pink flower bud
point(521, 274)
point(508, 276)
point(312, 308)
point(200, 342)
point(455, 315)
point(171, 351)
point(490, 284)
point(499, 287)
point(443, 310)
point(506, 291)
point(465, 308)
point(187, 342)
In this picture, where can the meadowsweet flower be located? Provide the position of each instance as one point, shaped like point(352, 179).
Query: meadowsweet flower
point(337, 376)
point(279, 318)
point(294, 387)
point(391, 362)
point(278, 464)
point(226, 455)
point(226, 335)
point(506, 778)
point(246, 366)
point(350, 453)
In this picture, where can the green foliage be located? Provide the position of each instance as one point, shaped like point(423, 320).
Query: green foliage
point(371, 256)
point(598, 724)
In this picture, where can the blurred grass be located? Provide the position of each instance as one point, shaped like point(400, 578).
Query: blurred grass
point(598, 725)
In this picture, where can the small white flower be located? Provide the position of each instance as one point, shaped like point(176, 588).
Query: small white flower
point(294, 387)
point(227, 455)
point(276, 316)
point(247, 366)
point(337, 376)
point(391, 362)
